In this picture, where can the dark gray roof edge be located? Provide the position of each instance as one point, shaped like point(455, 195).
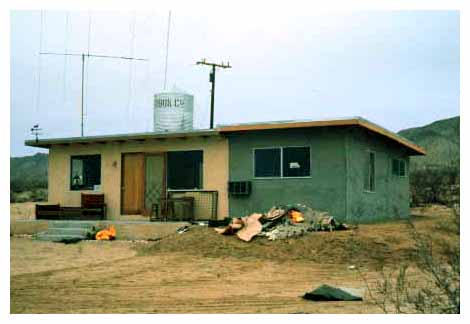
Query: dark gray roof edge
point(289, 121)
point(119, 137)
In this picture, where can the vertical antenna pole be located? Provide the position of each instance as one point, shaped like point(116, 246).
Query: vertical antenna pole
point(167, 47)
point(83, 73)
point(212, 80)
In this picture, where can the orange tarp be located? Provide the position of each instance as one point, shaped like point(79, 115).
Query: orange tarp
point(106, 234)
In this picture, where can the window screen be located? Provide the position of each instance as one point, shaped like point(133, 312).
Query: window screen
point(369, 179)
point(184, 170)
point(85, 172)
point(296, 161)
point(268, 162)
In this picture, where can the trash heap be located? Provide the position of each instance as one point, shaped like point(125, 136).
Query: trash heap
point(281, 222)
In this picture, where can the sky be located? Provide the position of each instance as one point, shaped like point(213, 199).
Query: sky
point(399, 69)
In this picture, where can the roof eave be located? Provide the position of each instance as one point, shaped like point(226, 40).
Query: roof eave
point(47, 143)
point(415, 149)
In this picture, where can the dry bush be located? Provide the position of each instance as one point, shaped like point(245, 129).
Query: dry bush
point(438, 290)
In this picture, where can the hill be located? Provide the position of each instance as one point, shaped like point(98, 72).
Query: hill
point(441, 139)
point(28, 172)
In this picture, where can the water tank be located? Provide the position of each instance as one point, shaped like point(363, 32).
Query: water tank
point(173, 111)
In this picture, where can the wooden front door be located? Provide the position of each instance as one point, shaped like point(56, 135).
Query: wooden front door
point(133, 184)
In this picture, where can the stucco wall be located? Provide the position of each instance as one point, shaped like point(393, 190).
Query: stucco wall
point(215, 169)
point(324, 189)
point(391, 197)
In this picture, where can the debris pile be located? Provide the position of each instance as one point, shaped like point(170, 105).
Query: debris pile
point(280, 223)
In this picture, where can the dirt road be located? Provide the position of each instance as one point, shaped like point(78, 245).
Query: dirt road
point(184, 275)
point(119, 282)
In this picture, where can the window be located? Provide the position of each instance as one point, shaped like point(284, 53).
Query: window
point(369, 179)
point(85, 172)
point(282, 162)
point(296, 162)
point(184, 170)
point(268, 162)
point(399, 167)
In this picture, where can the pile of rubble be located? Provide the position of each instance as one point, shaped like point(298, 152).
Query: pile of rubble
point(281, 222)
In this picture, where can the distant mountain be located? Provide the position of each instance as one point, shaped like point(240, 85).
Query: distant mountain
point(441, 139)
point(28, 172)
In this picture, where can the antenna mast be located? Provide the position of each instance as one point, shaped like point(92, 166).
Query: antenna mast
point(86, 56)
point(212, 80)
point(167, 47)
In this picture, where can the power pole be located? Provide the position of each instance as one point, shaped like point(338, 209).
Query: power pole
point(212, 80)
point(88, 55)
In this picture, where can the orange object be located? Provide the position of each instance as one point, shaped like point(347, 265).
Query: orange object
point(296, 216)
point(106, 234)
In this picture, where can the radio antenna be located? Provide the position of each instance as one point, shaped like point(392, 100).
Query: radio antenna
point(167, 47)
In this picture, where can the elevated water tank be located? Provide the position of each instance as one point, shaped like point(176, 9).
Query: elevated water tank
point(173, 111)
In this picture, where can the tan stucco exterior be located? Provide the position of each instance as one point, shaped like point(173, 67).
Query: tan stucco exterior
point(215, 168)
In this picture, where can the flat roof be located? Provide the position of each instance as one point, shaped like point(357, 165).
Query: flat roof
point(46, 143)
point(232, 128)
point(348, 121)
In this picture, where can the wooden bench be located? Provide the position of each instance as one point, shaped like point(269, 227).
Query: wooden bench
point(92, 208)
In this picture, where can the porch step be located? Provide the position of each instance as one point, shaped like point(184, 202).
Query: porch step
point(56, 238)
point(68, 231)
point(71, 224)
point(65, 230)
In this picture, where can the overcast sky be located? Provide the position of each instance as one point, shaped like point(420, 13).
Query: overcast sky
point(398, 69)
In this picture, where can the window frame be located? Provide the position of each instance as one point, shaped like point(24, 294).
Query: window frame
point(405, 175)
point(202, 171)
point(371, 190)
point(281, 161)
point(83, 157)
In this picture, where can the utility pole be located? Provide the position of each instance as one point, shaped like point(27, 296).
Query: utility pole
point(88, 55)
point(212, 80)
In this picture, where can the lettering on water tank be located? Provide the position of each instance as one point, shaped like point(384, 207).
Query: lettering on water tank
point(169, 103)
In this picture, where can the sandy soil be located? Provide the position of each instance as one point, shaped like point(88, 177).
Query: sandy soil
point(22, 211)
point(202, 272)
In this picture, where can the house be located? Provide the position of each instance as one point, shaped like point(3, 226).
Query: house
point(352, 168)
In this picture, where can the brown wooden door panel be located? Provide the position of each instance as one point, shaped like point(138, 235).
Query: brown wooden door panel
point(133, 177)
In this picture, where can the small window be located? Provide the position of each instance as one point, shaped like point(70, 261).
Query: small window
point(85, 172)
point(185, 170)
point(267, 162)
point(296, 161)
point(399, 167)
point(369, 179)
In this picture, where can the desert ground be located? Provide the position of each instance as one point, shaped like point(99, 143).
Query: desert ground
point(201, 271)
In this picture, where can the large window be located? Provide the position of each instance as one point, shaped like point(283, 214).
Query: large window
point(399, 167)
point(85, 172)
point(184, 170)
point(285, 162)
point(369, 174)
point(268, 162)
